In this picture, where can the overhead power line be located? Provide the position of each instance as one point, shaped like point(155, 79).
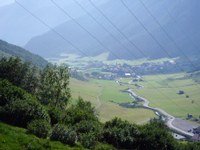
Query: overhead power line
point(151, 35)
point(181, 30)
point(166, 33)
point(82, 27)
point(121, 33)
point(50, 28)
point(104, 28)
point(64, 37)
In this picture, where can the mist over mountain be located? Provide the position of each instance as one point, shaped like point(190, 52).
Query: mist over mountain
point(181, 24)
point(17, 26)
point(184, 12)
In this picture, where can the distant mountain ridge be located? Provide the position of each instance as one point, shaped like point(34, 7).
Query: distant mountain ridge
point(23, 29)
point(10, 50)
point(186, 13)
point(18, 26)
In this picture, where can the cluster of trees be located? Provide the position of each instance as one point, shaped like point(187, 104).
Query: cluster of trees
point(49, 85)
point(39, 101)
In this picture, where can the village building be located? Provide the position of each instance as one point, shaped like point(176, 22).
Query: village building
point(127, 75)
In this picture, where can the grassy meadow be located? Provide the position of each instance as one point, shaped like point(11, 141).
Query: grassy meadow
point(105, 95)
point(161, 91)
point(87, 90)
point(108, 110)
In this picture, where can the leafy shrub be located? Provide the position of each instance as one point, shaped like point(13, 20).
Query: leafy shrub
point(22, 112)
point(85, 126)
point(88, 140)
point(84, 121)
point(89, 132)
point(121, 134)
point(189, 146)
point(55, 115)
point(19, 107)
point(79, 112)
point(39, 128)
point(63, 134)
point(10, 93)
point(156, 135)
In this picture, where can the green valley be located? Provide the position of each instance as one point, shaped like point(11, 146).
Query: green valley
point(99, 75)
point(106, 97)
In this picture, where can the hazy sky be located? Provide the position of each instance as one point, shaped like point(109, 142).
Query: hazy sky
point(5, 2)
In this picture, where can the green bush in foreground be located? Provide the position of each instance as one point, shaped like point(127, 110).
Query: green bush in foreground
point(156, 135)
point(121, 134)
point(39, 128)
point(63, 134)
point(19, 107)
point(83, 110)
point(89, 132)
point(88, 140)
point(10, 93)
point(55, 115)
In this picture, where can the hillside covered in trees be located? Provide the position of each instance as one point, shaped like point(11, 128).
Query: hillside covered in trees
point(40, 101)
point(10, 50)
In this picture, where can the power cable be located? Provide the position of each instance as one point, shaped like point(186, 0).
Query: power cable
point(169, 37)
point(133, 14)
point(118, 30)
point(50, 27)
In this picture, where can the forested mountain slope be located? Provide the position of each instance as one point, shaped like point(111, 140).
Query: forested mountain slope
point(8, 50)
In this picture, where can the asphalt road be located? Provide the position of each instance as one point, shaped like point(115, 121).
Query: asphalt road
point(169, 118)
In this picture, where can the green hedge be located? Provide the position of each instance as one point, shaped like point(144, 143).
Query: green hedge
point(17, 107)
point(63, 134)
point(39, 128)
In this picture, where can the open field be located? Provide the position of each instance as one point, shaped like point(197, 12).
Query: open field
point(112, 91)
point(105, 95)
point(87, 90)
point(161, 91)
point(108, 110)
